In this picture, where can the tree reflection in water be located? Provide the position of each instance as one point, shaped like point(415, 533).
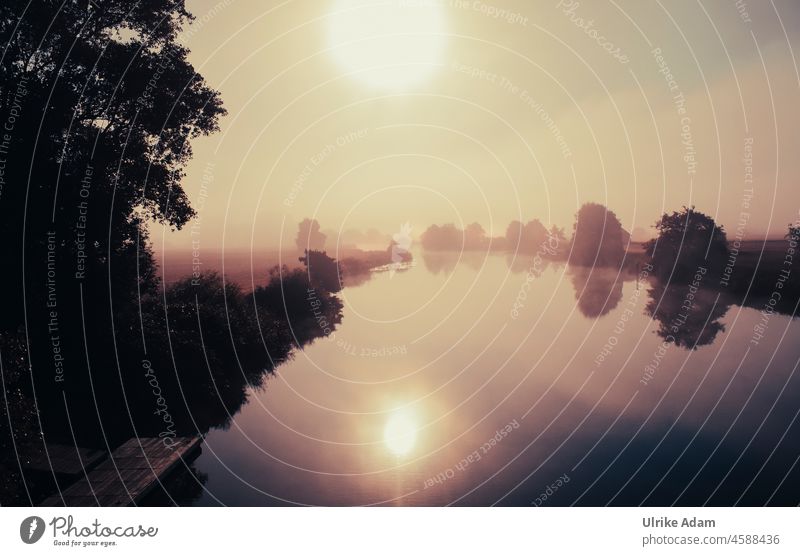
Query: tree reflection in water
point(598, 290)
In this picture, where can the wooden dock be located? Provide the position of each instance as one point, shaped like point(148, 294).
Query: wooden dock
point(129, 474)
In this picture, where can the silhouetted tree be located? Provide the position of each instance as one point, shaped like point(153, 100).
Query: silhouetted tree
point(514, 235)
point(475, 237)
point(442, 238)
point(309, 237)
point(323, 272)
point(102, 103)
point(310, 312)
point(525, 238)
point(686, 240)
point(99, 103)
point(450, 238)
point(598, 238)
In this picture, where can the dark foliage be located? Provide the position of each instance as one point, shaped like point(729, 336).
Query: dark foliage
point(598, 238)
point(309, 237)
point(323, 271)
point(686, 240)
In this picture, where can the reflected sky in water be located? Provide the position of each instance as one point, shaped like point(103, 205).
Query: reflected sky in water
point(433, 391)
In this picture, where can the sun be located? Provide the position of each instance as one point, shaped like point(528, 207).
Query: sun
point(388, 45)
point(400, 433)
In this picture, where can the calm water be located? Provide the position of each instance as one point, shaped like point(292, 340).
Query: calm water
point(402, 404)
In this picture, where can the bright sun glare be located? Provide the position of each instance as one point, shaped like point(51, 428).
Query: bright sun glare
point(400, 433)
point(389, 44)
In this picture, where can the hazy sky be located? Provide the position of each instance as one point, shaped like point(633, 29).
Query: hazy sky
point(427, 111)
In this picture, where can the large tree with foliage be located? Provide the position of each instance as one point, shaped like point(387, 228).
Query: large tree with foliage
point(525, 238)
point(98, 105)
point(309, 236)
point(687, 239)
point(102, 103)
point(598, 237)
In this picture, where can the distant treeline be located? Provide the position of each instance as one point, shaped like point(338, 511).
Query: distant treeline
point(521, 237)
point(685, 239)
point(693, 273)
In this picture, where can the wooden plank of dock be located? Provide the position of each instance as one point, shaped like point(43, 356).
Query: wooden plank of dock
point(129, 474)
